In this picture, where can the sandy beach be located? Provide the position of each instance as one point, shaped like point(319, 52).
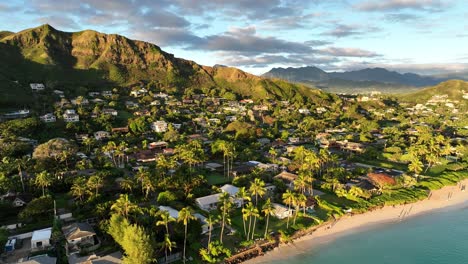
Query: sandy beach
point(446, 197)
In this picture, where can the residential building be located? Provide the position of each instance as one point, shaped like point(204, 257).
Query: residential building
point(70, 116)
point(36, 87)
point(282, 211)
point(100, 135)
point(48, 118)
point(79, 233)
point(159, 126)
point(41, 239)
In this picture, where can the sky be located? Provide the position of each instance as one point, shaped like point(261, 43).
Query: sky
point(421, 36)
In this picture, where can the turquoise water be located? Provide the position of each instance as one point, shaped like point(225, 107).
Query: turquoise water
point(436, 238)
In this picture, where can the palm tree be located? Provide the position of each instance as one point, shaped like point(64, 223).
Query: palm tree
point(78, 189)
point(22, 163)
point(166, 218)
point(185, 215)
point(43, 180)
point(226, 204)
point(242, 195)
point(415, 166)
point(167, 244)
point(257, 188)
point(300, 183)
point(127, 184)
point(211, 220)
point(95, 182)
point(288, 198)
point(124, 205)
point(268, 209)
point(301, 200)
point(148, 185)
point(248, 211)
point(254, 214)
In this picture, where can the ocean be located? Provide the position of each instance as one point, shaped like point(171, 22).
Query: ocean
point(439, 237)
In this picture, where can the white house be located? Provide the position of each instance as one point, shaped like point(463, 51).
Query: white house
point(159, 126)
point(208, 203)
point(36, 87)
point(109, 111)
point(282, 211)
point(304, 111)
point(48, 118)
point(230, 189)
point(70, 116)
point(41, 238)
point(205, 226)
point(100, 135)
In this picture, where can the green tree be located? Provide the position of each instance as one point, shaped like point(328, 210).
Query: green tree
point(288, 198)
point(215, 253)
point(185, 215)
point(124, 206)
point(79, 189)
point(133, 239)
point(268, 209)
point(226, 205)
point(95, 182)
point(43, 180)
point(257, 188)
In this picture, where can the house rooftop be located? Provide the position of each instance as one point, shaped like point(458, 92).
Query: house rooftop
point(42, 234)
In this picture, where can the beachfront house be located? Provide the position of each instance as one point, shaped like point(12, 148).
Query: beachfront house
point(282, 211)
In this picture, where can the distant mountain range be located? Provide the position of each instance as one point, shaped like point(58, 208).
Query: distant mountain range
point(360, 80)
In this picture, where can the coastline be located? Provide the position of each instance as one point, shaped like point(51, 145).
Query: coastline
point(439, 199)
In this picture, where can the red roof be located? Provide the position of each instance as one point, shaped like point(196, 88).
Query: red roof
point(381, 179)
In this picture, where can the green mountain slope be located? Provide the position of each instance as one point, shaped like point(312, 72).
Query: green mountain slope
point(454, 89)
point(93, 59)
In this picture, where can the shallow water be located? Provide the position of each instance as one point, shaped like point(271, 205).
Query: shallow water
point(436, 238)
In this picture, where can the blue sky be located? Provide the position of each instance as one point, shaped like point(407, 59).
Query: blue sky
point(423, 36)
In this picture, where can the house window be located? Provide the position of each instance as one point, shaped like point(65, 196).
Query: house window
point(39, 244)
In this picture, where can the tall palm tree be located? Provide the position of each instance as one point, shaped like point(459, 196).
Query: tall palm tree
point(124, 206)
point(148, 185)
point(211, 220)
point(257, 188)
point(268, 209)
point(43, 180)
point(248, 212)
point(255, 213)
point(301, 200)
point(22, 163)
point(226, 205)
point(185, 215)
point(288, 198)
point(243, 195)
point(166, 218)
point(167, 244)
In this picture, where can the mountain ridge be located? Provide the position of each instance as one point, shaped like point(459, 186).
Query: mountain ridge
point(92, 58)
point(361, 80)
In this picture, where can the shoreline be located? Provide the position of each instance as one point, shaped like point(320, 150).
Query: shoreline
point(348, 224)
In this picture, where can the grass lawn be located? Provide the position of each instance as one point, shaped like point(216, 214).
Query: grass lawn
point(62, 199)
point(383, 164)
point(214, 178)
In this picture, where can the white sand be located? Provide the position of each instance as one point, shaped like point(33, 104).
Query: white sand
point(348, 224)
